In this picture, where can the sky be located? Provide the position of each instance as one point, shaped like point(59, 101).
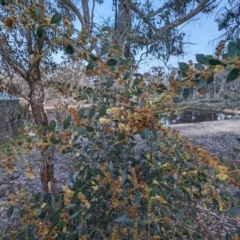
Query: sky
point(201, 33)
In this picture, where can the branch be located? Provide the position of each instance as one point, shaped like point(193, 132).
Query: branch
point(174, 24)
point(73, 7)
point(10, 60)
point(142, 15)
point(29, 41)
point(86, 15)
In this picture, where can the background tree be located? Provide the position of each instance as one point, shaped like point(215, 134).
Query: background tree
point(141, 26)
point(228, 19)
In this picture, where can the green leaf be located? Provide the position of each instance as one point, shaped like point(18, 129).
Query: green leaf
point(234, 211)
point(39, 32)
point(3, 2)
point(110, 82)
point(54, 140)
point(112, 62)
point(202, 83)
point(183, 66)
point(194, 212)
point(232, 49)
point(136, 82)
point(185, 92)
point(209, 80)
point(93, 57)
point(154, 192)
point(234, 74)
point(176, 99)
point(89, 129)
point(82, 131)
point(69, 49)
point(10, 211)
point(214, 62)
point(201, 58)
point(66, 122)
point(81, 112)
point(55, 222)
point(154, 130)
point(105, 49)
point(199, 66)
point(91, 113)
point(52, 125)
point(102, 110)
point(126, 75)
point(90, 65)
point(56, 18)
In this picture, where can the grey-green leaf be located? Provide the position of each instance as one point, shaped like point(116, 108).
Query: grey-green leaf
point(185, 92)
point(55, 222)
point(199, 66)
point(202, 83)
point(201, 58)
point(238, 44)
point(91, 113)
point(66, 122)
point(74, 215)
point(183, 66)
point(105, 48)
point(232, 49)
point(234, 211)
point(110, 82)
point(102, 110)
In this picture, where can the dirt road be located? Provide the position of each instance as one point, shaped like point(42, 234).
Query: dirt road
point(209, 128)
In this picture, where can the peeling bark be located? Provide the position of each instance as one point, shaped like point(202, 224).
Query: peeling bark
point(40, 118)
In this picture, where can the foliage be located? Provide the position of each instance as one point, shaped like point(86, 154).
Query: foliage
point(200, 74)
point(132, 177)
point(227, 19)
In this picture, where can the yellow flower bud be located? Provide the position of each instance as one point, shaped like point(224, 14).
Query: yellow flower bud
point(104, 121)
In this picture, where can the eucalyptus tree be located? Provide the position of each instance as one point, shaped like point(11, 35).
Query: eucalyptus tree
point(32, 31)
point(151, 27)
point(25, 49)
point(228, 19)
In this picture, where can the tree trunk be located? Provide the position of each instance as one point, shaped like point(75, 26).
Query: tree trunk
point(40, 117)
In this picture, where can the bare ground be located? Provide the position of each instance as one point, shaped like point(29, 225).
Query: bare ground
point(231, 126)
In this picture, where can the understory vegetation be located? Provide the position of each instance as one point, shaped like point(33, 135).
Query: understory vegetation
point(131, 176)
